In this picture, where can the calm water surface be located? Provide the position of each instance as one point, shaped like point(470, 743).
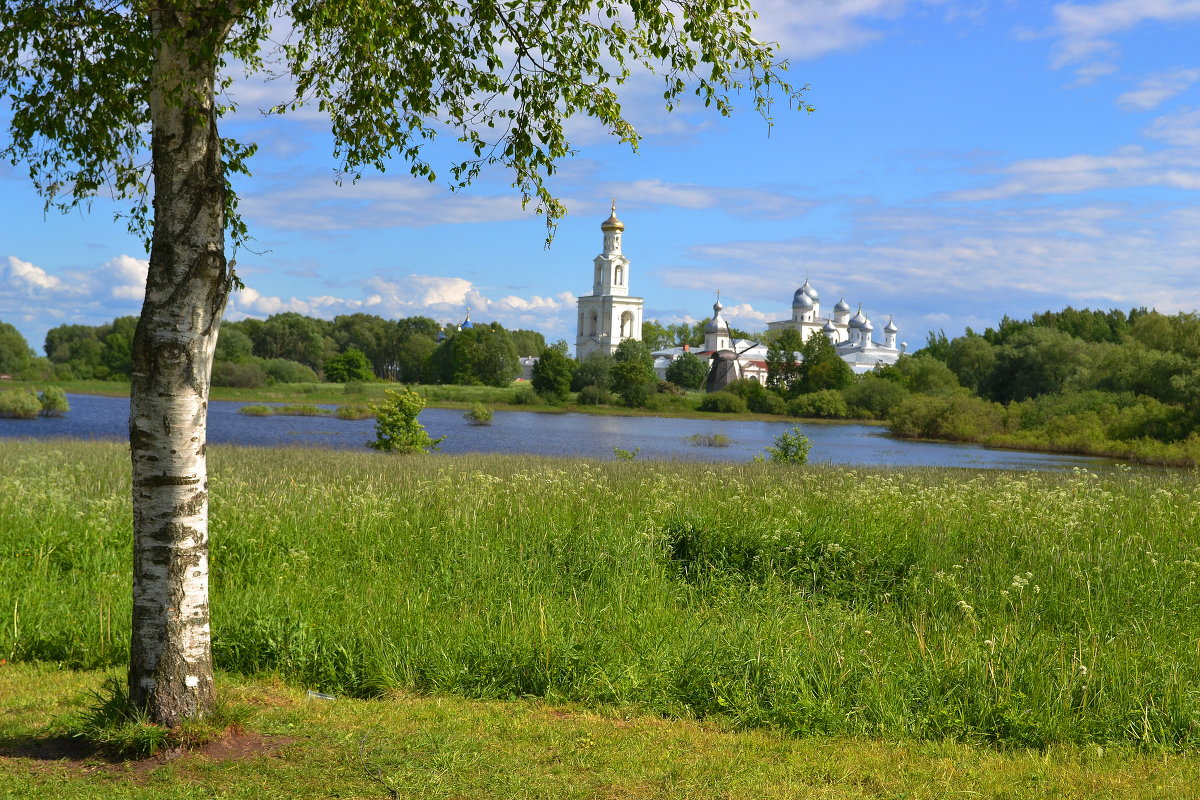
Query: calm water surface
point(586, 435)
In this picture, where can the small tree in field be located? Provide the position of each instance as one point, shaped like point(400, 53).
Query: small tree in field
point(791, 447)
point(396, 426)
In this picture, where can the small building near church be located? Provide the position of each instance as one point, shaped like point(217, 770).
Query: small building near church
point(608, 315)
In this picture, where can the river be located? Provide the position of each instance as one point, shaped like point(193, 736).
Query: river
point(569, 434)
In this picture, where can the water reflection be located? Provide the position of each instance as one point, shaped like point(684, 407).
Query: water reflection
point(585, 435)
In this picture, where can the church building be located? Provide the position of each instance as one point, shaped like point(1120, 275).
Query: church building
point(608, 315)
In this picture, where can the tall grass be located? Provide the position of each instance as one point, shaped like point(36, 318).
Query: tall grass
point(1015, 609)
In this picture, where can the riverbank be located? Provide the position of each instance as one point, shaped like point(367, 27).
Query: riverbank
point(294, 747)
point(1024, 610)
point(437, 396)
point(1184, 454)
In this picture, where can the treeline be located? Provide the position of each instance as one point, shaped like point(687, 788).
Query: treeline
point(294, 348)
point(1124, 384)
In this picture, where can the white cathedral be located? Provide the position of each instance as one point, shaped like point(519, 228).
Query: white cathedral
point(610, 315)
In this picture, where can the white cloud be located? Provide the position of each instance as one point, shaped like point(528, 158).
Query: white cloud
point(1180, 128)
point(759, 203)
point(813, 28)
point(434, 290)
point(24, 275)
point(128, 277)
point(1154, 90)
point(1085, 31)
point(318, 204)
point(443, 298)
point(1127, 167)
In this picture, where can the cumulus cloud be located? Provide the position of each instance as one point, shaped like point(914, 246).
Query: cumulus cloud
point(1154, 90)
point(25, 275)
point(128, 277)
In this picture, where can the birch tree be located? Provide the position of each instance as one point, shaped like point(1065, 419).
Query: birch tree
point(121, 97)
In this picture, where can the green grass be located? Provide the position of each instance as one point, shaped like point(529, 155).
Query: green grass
point(1016, 610)
point(445, 747)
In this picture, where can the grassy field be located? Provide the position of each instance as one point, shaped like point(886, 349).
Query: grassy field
point(1014, 610)
point(293, 747)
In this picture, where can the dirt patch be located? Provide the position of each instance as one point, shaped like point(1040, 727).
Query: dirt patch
point(77, 756)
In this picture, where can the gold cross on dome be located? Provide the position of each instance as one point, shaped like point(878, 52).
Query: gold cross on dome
point(614, 205)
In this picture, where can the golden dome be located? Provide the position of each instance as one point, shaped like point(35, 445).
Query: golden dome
point(612, 223)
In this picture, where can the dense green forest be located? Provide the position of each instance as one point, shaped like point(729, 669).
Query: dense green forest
point(293, 348)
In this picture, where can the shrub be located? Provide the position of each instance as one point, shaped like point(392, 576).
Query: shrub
point(354, 411)
point(825, 404)
point(256, 411)
point(636, 395)
point(281, 370)
point(666, 387)
point(593, 395)
point(758, 398)
point(791, 447)
point(957, 417)
point(301, 410)
point(238, 376)
point(396, 427)
point(20, 404)
point(478, 414)
point(523, 397)
point(874, 396)
point(709, 440)
point(351, 365)
point(54, 402)
point(723, 403)
point(768, 403)
point(352, 387)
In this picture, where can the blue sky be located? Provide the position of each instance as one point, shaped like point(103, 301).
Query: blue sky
point(966, 160)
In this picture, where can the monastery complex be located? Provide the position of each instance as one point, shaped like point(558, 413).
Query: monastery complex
point(609, 315)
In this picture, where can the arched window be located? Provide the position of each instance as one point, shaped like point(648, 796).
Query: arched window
point(620, 274)
point(592, 325)
point(627, 325)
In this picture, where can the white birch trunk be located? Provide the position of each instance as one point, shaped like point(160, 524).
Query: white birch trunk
point(170, 665)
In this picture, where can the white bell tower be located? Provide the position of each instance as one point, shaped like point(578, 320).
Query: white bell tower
point(608, 315)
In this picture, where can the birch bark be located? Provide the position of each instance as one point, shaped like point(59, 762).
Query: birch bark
point(170, 667)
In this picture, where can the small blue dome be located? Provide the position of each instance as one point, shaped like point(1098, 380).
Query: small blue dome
point(842, 306)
